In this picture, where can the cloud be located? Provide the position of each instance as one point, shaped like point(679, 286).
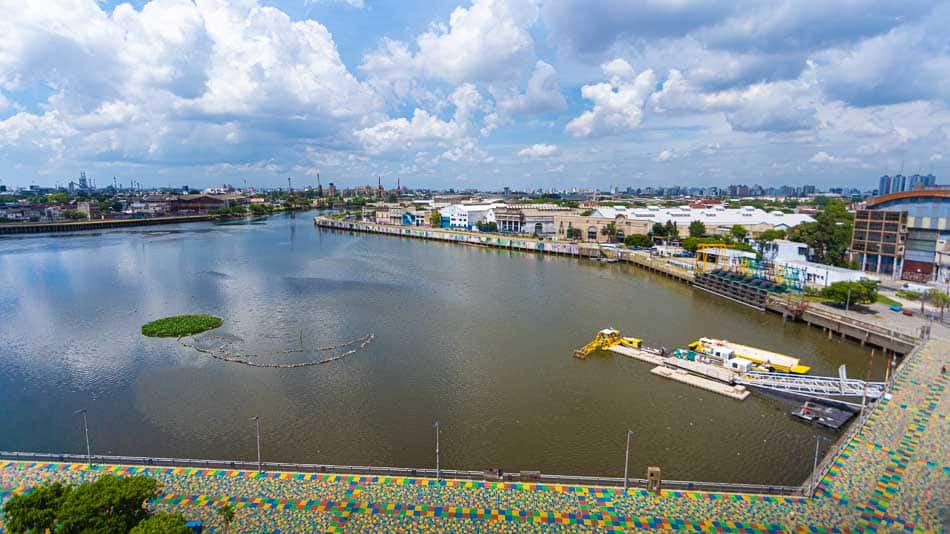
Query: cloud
point(543, 94)
point(488, 41)
point(177, 82)
point(778, 106)
point(824, 157)
point(539, 151)
point(618, 103)
point(405, 134)
point(665, 155)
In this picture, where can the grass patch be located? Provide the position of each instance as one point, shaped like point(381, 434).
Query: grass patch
point(181, 325)
point(887, 300)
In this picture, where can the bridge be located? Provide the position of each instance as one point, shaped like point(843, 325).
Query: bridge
point(813, 386)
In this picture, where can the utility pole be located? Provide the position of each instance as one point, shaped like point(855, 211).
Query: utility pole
point(626, 461)
point(847, 304)
point(257, 421)
point(438, 471)
point(85, 428)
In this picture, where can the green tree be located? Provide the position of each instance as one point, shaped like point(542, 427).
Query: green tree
point(226, 512)
point(697, 229)
point(587, 213)
point(162, 523)
point(638, 240)
point(435, 219)
point(936, 298)
point(738, 231)
point(109, 504)
point(671, 230)
point(610, 231)
point(35, 511)
point(74, 215)
point(574, 233)
point(57, 198)
point(659, 230)
point(863, 291)
point(771, 235)
point(829, 236)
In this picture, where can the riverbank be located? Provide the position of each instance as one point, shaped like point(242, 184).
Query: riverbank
point(872, 333)
point(105, 224)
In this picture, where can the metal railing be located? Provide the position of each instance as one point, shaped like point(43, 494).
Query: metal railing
point(148, 461)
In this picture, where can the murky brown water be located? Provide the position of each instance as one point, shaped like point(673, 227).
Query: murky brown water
point(479, 339)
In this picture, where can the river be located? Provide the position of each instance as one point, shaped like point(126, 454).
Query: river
point(479, 339)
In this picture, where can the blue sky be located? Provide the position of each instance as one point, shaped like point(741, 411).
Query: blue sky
point(483, 93)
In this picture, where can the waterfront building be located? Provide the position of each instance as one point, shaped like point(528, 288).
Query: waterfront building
point(718, 220)
point(467, 216)
point(911, 241)
point(592, 227)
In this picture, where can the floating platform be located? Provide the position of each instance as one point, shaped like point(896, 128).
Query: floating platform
point(824, 415)
point(681, 375)
point(638, 354)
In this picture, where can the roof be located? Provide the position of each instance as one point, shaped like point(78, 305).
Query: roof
point(713, 216)
point(922, 193)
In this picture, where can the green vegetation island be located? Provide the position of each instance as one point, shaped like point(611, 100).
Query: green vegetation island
point(181, 325)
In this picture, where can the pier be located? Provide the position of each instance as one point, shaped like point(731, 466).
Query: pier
point(104, 224)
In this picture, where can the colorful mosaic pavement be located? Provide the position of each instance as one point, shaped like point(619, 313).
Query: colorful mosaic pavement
point(894, 475)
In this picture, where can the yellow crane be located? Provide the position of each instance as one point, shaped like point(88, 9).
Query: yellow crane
point(605, 339)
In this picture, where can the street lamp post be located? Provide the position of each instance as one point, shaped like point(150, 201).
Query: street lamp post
point(438, 474)
point(85, 427)
point(626, 461)
point(257, 421)
point(814, 469)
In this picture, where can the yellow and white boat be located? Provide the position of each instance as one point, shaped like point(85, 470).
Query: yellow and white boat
point(764, 358)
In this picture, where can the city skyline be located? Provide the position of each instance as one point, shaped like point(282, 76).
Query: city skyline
point(484, 94)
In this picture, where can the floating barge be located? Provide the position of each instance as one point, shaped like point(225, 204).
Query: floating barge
point(824, 415)
point(765, 359)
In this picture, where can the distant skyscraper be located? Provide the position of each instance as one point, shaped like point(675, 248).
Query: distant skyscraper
point(884, 186)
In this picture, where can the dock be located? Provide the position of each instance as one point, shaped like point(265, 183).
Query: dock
point(681, 375)
point(636, 354)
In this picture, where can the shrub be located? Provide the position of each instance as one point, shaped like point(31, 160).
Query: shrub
point(180, 325)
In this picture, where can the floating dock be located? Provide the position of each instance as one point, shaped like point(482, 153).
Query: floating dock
point(682, 375)
point(638, 354)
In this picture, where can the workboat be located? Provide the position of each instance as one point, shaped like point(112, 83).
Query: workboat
point(762, 358)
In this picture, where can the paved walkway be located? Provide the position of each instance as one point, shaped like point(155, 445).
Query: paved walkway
point(894, 475)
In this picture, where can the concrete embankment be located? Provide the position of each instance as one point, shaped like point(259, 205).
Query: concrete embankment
point(864, 332)
point(105, 224)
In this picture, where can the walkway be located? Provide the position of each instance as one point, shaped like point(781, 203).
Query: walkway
point(893, 475)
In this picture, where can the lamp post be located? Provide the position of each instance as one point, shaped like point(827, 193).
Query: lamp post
point(626, 461)
point(814, 469)
point(438, 474)
point(85, 427)
point(257, 422)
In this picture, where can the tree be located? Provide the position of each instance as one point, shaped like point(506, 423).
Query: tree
point(863, 291)
point(227, 516)
point(638, 240)
point(162, 523)
point(671, 231)
point(829, 236)
point(771, 235)
point(936, 298)
point(74, 215)
point(109, 504)
point(697, 229)
point(738, 231)
point(610, 230)
point(659, 230)
point(57, 198)
point(574, 233)
point(35, 511)
point(435, 219)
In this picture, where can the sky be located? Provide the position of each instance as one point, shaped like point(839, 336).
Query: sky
point(480, 94)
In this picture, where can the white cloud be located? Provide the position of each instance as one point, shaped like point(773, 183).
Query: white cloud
point(618, 104)
point(665, 155)
point(824, 157)
point(405, 134)
point(488, 41)
point(543, 94)
point(538, 151)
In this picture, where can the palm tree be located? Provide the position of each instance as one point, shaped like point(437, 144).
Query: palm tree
point(937, 299)
point(226, 511)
